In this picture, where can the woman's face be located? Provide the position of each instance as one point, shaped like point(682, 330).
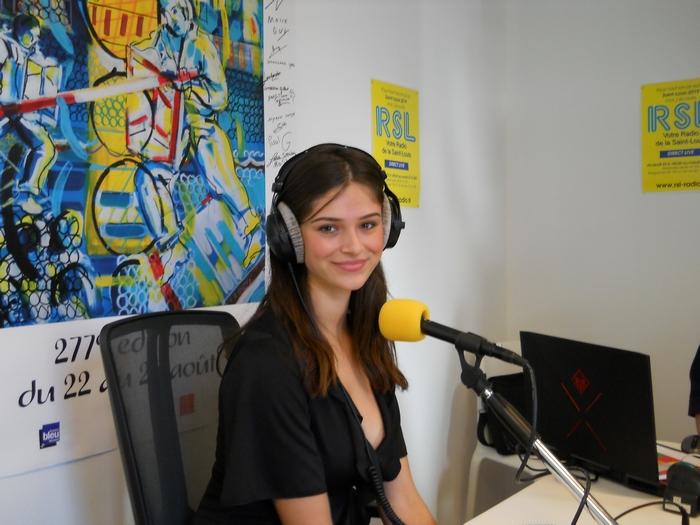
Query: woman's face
point(343, 239)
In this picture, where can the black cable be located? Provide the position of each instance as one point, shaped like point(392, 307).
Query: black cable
point(374, 468)
point(521, 456)
point(301, 297)
point(587, 475)
point(539, 475)
point(533, 428)
point(685, 520)
point(533, 431)
point(670, 448)
point(378, 484)
point(538, 472)
point(584, 497)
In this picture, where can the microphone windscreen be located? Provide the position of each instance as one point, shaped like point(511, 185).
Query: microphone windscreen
point(400, 319)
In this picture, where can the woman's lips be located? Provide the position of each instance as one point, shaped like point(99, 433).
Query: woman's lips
point(351, 266)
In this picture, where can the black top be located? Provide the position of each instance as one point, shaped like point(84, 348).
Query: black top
point(694, 400)
point(275, 441)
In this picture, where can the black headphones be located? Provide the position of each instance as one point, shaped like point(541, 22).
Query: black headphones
point(282, 228)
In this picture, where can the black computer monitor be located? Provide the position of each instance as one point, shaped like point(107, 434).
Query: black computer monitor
point(596, 407)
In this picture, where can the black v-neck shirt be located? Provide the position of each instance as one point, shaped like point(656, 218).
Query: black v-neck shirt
point(275, 441)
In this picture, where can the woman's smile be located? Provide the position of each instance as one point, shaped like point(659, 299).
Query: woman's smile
point(351, 266)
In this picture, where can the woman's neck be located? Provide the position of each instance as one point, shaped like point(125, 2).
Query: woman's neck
point(330, 310)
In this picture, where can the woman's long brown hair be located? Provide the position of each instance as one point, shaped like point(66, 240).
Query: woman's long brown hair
point(314, 175)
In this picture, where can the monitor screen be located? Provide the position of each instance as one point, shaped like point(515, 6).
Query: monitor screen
point(595, 406)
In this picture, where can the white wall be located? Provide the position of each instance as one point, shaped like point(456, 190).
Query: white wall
point(589, 256)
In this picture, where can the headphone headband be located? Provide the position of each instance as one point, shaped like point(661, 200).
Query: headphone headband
point(288, 166)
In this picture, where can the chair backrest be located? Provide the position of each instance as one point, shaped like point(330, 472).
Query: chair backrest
point(163, 387)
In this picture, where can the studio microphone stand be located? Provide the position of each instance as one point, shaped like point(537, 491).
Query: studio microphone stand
point(474, 378)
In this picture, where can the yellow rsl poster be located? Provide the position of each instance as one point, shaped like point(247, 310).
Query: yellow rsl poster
point(671, 136)
point(395, 139)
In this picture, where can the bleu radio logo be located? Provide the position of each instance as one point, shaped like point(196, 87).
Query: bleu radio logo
point(49, 434)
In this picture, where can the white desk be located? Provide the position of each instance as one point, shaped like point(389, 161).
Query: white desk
point(548, 502)
point(492, 479)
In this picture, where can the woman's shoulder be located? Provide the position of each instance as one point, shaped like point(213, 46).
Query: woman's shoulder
point(263, 325)
point(263, 342)
point(263, 364)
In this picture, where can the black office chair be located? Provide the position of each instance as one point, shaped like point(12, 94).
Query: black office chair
point(163, 386)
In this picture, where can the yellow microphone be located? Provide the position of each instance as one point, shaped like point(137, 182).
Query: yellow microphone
point(400, 320)
point(409, 320)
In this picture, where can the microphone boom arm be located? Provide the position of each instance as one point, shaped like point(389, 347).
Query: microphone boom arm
point(469, 342)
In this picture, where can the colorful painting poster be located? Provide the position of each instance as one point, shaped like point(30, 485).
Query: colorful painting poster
point(671, 136)
point(395, 139)
point(131, 157)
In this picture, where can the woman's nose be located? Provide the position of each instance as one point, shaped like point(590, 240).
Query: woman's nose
point(351, 241)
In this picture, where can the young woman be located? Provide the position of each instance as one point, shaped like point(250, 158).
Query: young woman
point(309, 425)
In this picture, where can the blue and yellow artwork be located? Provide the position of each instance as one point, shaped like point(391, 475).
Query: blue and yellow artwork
point(131, 157)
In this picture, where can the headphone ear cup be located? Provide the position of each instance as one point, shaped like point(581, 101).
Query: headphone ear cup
point(284, 234)
point(278, 238)
point(386, 220)
point(391, 219)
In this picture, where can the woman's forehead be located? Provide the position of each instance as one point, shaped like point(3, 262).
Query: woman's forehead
point(349, 198)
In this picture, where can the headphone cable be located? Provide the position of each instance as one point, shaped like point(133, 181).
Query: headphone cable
point(374, 469)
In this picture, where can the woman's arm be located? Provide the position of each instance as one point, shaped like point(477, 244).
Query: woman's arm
point(302, 511)
point(405, 500)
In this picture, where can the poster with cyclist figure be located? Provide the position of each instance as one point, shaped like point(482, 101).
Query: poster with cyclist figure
point(131, 157)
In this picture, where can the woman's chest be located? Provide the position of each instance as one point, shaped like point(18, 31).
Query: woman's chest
point(336, 440)
point(339, 438)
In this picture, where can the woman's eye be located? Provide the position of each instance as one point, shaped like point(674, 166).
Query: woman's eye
point(370, 225)
point(327, 228)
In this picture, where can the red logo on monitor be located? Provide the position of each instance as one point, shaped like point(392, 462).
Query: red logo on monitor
point(583, 405)
point(580, 381)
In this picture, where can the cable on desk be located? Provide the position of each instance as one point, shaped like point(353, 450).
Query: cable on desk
point(543, 471)
point(586, 492)
point(539, 475)
point(528, 479)
point(685, 520)
point(538, 472)
point(670, 448)
point(521, 455)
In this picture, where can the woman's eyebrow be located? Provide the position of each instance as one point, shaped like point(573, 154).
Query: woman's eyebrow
point(337, 219)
